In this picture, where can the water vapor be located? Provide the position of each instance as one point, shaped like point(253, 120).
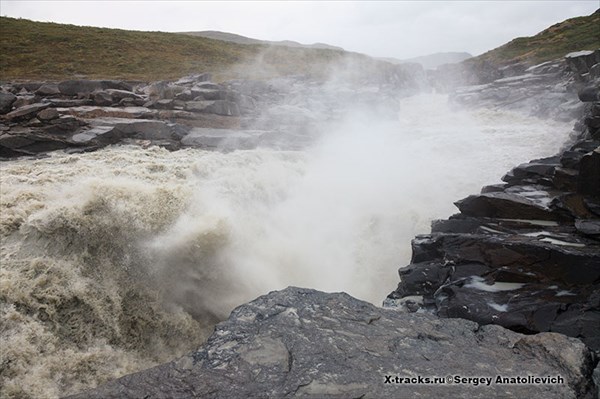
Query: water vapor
point(116, 260)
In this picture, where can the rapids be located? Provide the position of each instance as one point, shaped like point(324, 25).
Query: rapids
point(116, 260)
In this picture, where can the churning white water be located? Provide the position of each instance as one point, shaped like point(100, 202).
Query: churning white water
point(115, 260)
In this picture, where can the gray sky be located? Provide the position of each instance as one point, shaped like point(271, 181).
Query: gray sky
point(400, 29)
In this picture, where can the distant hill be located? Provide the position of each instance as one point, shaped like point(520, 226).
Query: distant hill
point(48, 51)
point(42, 50)
point(432, 61)
point(574, 34)
point(234, 38)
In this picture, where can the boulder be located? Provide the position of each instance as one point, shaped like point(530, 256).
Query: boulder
point(122, 94)
point(48, 114)
point(164, 104)
point(26, 112)
point(588, 182)
point(14, 141)
point(63, 125)
point(48, 89)
point(76, 87)
point(185, 95)
point(6, 102)
point(191, 79)
point(163, 90)
point(588, 226)
point(112, 130)
point(300, 342)
point(86, 87)
point(23, 100)
point(589, 94)
point(580, 62)
point(61, 102)
point(102, 98)
point(98, 134)
point(208, 94)
point(219, 107)
point(508, 205)
point(28, 87)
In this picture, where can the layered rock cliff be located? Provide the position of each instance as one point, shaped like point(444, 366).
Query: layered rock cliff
point(524, 254)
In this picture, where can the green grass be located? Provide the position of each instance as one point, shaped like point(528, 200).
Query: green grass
point(48, 51)
point(35, 50)
point(581, 33)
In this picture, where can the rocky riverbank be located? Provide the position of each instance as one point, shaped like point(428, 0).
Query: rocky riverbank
point(84, 115)
point(299, 342)
point(193, 112)
point(524, 255)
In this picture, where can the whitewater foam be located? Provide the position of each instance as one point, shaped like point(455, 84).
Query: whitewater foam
point(119, 259)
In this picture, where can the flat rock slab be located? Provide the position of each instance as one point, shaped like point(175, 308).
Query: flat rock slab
point(300, 342)
point(219, 107)
point(112, 130)
point(507, 205)
point(26, 111)
point(88, 111)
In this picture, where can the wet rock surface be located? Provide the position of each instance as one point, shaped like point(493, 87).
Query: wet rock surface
point(301, 342)
point(278, 113)
point(543, 90)
point(524, 254)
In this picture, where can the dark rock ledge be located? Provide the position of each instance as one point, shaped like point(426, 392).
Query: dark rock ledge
point(524, 254)
point(84, 115)
point(301, 342)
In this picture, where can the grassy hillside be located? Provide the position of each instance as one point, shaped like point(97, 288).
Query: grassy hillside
point(36, 50)
point(581, 33)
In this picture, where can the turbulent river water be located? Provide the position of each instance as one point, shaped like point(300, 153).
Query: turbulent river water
point(116, 260)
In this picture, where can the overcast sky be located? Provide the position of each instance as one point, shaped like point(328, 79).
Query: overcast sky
point(400, 29)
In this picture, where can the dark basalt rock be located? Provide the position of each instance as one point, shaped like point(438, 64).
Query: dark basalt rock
point(588, 227)
point(588, 182)
point(85, 87)
point(23, 100)
point(506, 205)
point(102, 98)
point(252, 110)
point(6, 102)
point(26, 112)
point(589, 94)
point(524, 257)
point(48, 90)
point(219, 107)
point(61, 102)
point(48, 114)
point(525, 254)
point(300, 342)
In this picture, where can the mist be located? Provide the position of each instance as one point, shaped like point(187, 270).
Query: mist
point(339, 215)
point(141, 251)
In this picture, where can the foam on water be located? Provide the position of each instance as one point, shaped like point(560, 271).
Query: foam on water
point(116, 260)
point(478, 283)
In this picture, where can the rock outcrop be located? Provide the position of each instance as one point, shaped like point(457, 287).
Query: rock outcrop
point(300, 342)
point(84, 115)
point(544, 90)
point(524, 254)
